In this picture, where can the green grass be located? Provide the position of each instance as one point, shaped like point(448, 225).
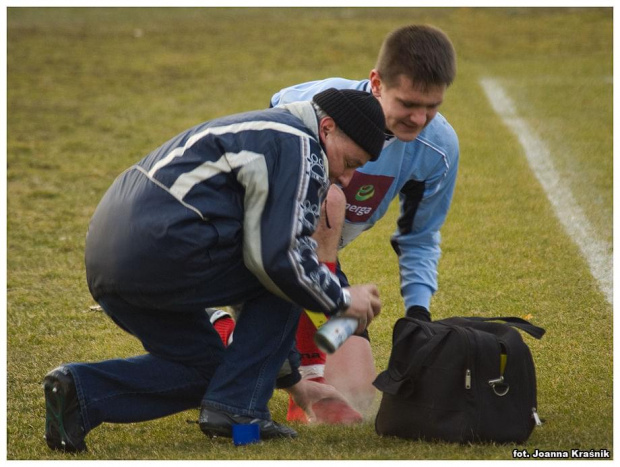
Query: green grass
point(90, 91)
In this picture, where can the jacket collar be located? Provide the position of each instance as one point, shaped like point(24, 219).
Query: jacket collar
point(305, 112)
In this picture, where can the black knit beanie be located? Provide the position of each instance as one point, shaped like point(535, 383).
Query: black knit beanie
point(358, 114)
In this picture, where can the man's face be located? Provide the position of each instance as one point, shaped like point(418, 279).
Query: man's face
point(343, 154)
point(408, 108)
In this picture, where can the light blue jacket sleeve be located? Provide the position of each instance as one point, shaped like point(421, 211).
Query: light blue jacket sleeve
point(418, 243)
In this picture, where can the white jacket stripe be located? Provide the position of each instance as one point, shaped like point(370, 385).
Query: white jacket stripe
point(221, 130)
point(225, 164)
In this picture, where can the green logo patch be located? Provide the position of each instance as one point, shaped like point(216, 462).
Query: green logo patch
point(365, 192)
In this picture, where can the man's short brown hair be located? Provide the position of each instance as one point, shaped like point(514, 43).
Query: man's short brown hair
point(422, 53)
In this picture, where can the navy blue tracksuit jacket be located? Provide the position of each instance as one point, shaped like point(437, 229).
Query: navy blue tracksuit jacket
point(222, 210)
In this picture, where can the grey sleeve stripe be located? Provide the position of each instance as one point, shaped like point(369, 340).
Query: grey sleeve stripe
point(253, 176)
point(225, 164)
point(255, 179)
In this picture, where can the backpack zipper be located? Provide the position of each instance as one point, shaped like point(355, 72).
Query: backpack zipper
point(463, 334)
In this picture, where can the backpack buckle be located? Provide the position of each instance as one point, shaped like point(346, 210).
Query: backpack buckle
point(500, 388)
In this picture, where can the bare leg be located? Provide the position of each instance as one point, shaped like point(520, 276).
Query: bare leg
point(351, 370)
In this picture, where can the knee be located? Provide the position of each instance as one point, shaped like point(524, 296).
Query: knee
point(336, 201)
point(335, 206)
point(330, 225)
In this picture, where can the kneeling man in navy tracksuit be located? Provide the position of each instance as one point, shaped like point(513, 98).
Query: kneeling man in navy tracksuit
point(221, 214)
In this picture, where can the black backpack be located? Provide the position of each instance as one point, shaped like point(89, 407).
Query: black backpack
point(459, 380)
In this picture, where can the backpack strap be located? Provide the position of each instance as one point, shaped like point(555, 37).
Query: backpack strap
point(421, 356)
point(523, 325)
point(392, 381)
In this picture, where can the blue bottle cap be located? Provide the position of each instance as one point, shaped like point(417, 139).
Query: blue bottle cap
point(246, 434)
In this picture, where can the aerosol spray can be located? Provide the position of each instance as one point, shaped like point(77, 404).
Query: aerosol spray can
point(332, 334)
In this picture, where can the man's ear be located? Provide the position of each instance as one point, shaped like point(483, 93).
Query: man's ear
point(376, 84)
point(326, 126)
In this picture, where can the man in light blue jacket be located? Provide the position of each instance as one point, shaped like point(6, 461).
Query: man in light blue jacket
point(418, 164)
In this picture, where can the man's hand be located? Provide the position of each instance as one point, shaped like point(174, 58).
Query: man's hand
point(307, 392)
point(365, 305)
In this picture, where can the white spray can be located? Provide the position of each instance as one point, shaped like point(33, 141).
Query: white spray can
point(332, 334)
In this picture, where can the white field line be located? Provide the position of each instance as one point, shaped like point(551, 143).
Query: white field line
point(597, 252)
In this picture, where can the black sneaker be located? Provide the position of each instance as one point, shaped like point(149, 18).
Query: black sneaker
point(215, 422)
point(64, 429)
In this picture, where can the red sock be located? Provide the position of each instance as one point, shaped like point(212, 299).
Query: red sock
point(225, 327)
point(310, 355)
point(309, 352)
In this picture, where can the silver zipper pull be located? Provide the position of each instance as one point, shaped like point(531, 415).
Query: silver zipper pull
point(468, 379)
point(536, 417)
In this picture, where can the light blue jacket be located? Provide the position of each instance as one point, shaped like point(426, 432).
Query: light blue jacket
point(422, 173)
